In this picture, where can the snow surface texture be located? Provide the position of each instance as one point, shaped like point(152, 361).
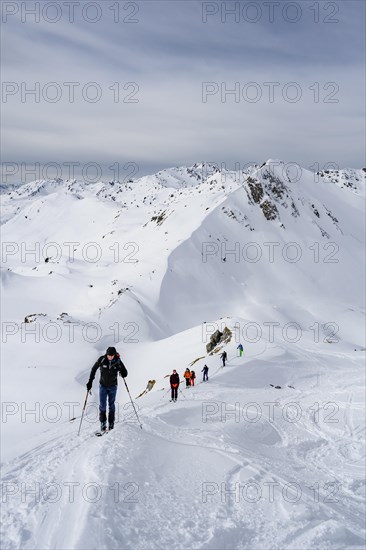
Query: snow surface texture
point(237, 462)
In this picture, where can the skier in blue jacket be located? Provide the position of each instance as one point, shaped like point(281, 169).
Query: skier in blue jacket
point(205, 373)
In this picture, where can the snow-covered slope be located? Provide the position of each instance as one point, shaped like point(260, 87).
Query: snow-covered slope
point(154, 266)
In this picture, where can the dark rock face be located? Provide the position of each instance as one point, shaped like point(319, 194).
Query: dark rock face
point(214, 340)
point(159, 218)
point(33, 317)
point(261, 193)
point(219, 337)
point(226, 336)
point(256, 190)
point(269, 210)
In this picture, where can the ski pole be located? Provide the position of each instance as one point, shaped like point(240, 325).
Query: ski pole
point(182, 393)
point(134, 408)
point(164, 394)
point(82, 414)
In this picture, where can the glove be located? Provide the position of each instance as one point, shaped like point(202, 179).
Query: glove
point(89, 385)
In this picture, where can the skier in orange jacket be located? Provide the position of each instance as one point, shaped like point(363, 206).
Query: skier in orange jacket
point(187, 376)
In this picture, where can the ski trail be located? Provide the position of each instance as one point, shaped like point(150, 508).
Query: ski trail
point(189, 482)
point(44, 480)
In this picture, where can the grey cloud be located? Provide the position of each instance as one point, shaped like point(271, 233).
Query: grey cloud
point(169, 53)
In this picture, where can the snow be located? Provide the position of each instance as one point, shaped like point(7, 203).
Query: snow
point(236, 462)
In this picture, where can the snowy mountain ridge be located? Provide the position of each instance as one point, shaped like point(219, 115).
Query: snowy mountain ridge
point(157, 216)
point(276, 176)
point(193, 176)
point(155, 266)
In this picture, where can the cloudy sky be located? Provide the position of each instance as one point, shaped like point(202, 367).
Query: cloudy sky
point(148, 83)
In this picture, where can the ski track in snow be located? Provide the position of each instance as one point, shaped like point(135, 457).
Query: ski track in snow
point(164, 471)
point(165, 465)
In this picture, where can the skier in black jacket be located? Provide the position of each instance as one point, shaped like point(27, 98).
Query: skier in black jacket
point(110, 365)
point(174, 384)
point(205, 373)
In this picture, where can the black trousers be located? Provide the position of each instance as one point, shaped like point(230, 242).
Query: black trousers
point(174, 393)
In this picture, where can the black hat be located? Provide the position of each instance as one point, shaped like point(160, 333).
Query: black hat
point(111, 351)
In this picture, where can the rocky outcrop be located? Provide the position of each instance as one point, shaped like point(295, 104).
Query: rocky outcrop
point(217, 338)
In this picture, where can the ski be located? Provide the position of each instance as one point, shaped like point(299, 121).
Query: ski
point(99, 434)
